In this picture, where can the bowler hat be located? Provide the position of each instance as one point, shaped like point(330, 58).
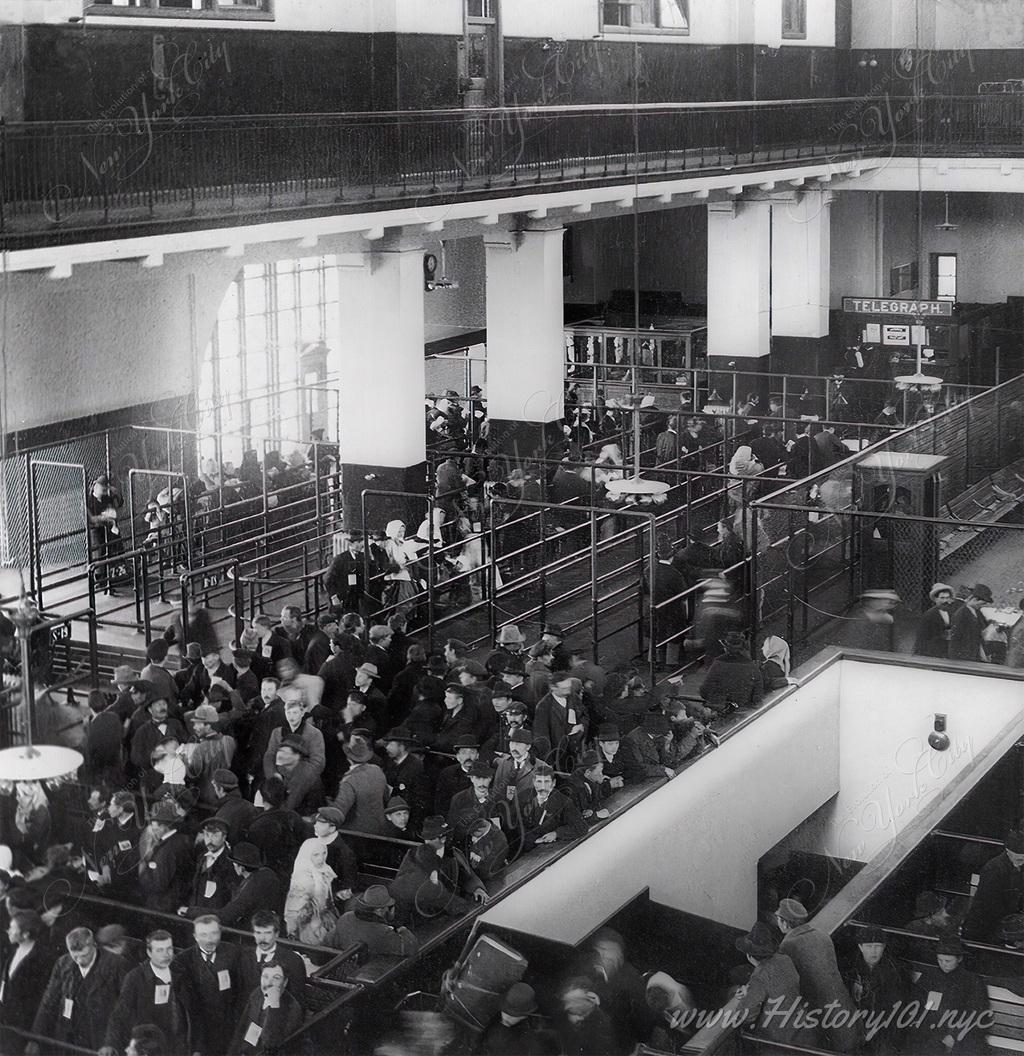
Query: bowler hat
point(358, 751)
point(368, 669)
point(553, 630)
point(939, 588)
point(513, 665)
point(296, 744)
point(519, 1000)
point(510, 634)
point(466, 741)
point(395, 804)
point(434, 827)
point(375, 897)
point(791, 911)
point(247, 855)
point(216, 823)
point(759, 942)
point(982, 593)
point(501, 689)
point(869, 935)
point(520, 736)
point(950, 946)
point(225, 778)
point(205, 713)
point(164, 812)
point(608, 731)
point(480, 769)
point(1015, 842)
point(331, 815)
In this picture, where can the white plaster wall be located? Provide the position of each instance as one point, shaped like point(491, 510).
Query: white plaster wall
point(979, 24)
point(466, 306)
point(853, 247)
point(888, 774)
point(893, 23)
point(696, 841)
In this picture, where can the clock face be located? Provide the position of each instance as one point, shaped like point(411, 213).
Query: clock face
point(430, 263)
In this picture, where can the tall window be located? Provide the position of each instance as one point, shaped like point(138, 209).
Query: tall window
point(645, 15)
point(274, 324)
point(794, 19)
point(943, 269)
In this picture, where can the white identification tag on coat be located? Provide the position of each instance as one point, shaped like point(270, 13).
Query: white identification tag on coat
point(975, 880)
point(124, 845)
point(152, 865)
point(252, 1035)
point(210, 889)
point(352, 579)
point(3, 987)
point(98, 825)
point(934, 1000)
point(69, 1008)
point(223, 979)
point(572, 717)
point(266, 651)
point(92, 875)
point(161, 994)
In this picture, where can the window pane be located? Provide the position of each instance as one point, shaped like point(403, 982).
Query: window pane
point(309, 287)
point(286, 290)
point(673, 14)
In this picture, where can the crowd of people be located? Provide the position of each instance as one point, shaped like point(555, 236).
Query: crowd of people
point(247, 789)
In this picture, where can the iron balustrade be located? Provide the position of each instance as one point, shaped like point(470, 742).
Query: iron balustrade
point(62, 179)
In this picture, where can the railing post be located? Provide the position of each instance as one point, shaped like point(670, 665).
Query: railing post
point(239, 599)
point(595, 593)
point(431, 577)
point(147, 618)
point(94, 676)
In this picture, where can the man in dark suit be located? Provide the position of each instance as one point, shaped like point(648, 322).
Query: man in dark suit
point(214, 877)
point(471, 804)
point(1000, 892)
point(967, 625)
point(455, 778)
point(560, 722)
point(461, 718)
point(378, 652)
point(210, 987)
point(278, 831)
point(933, 632)
point(345, 580)
point(266, 930)
point(318, 652)
point(259, 888)
point(269, 1015)
point(158, 726)
point(546, 815)
point(26, 970)
point(165, 869)
point(150, 994)
point(404, 772)
point(80, 995)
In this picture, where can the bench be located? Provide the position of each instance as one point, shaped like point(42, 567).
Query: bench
point(991, 499)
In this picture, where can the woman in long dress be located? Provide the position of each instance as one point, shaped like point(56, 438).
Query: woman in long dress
point(399, 585)
point(309, 911)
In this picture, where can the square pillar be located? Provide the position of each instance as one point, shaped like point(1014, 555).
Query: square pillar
point(525, 343)
point(739, 290)
point(382, 383)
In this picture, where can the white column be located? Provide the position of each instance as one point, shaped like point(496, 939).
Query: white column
point(525, 343)
point(383, 375)
point(801, 240)
point(739, 275)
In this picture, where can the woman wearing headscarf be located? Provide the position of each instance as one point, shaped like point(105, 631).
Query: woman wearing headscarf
point(309, 911)
point(399, 587)
point(775, 662)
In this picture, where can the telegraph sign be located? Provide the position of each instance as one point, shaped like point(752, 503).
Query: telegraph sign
point(890, 306)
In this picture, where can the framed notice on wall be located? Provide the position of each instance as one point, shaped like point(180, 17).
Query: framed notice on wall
point(895, 335)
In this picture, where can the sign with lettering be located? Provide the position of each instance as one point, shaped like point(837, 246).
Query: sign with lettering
point(895, 335)
point(890, 306)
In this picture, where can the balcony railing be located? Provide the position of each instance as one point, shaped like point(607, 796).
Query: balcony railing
point(74, 181)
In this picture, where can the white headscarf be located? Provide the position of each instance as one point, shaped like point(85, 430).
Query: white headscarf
point(393, 528)
point(309, 881)
point(777, 649)
point(743, 463)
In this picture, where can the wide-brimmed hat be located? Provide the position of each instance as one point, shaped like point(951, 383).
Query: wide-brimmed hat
point(982, 593)
point(940, 588)
point(434, 827)
point(375, 897)
point(510, 634)
point(759, 942)
point(399, 733)
point(791, 911)
point(247, 855)
point(519, 1000)
point(368, 669)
